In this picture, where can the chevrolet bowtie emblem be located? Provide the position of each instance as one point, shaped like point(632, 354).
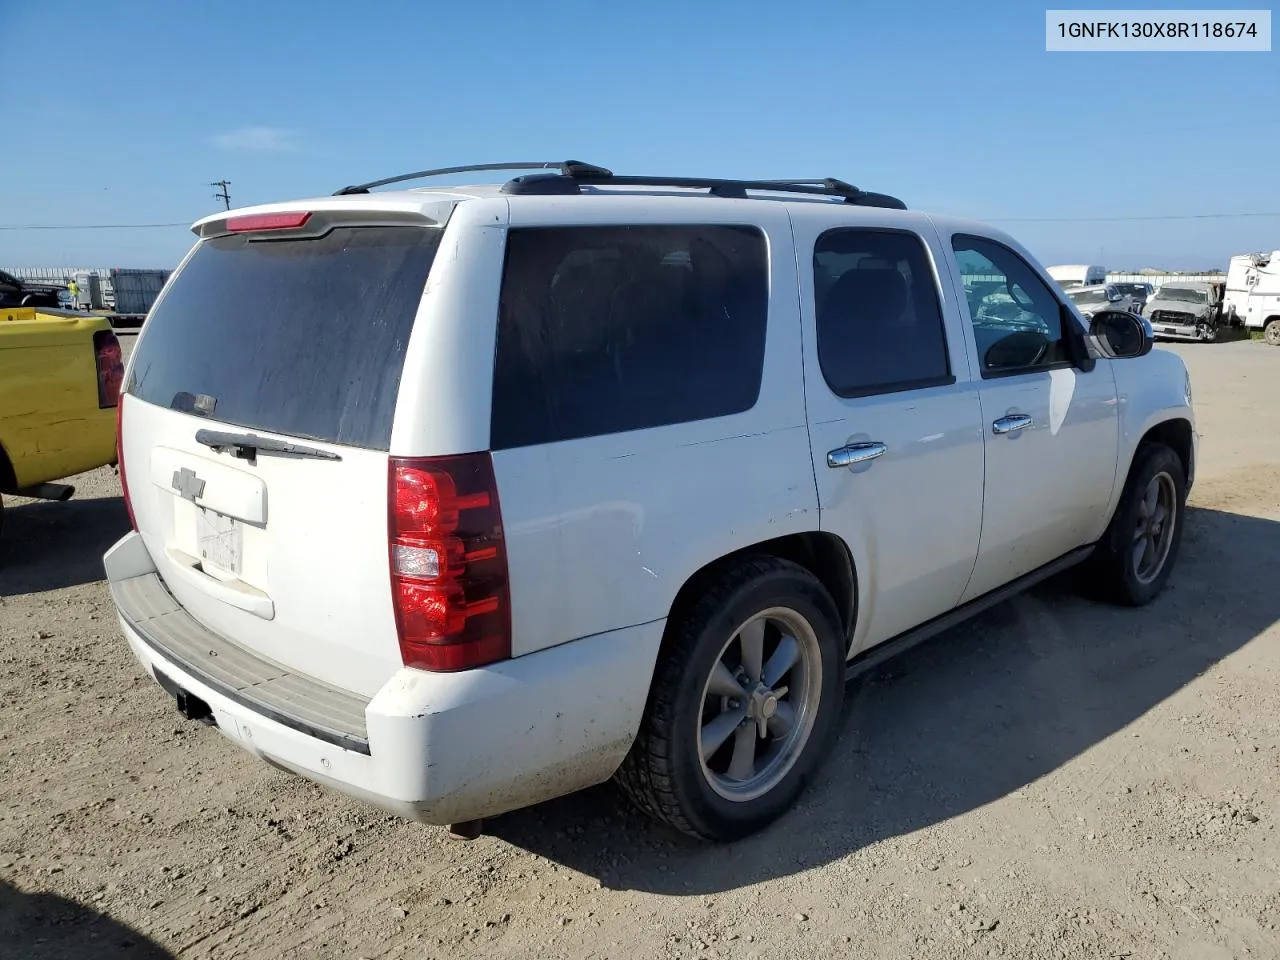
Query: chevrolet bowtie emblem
point(188, 485)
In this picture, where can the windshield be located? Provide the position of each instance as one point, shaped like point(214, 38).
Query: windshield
point(1088, 296)
point(1185, 294)
point(301, 337)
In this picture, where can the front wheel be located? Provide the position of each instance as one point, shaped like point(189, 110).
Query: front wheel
point(1272, 331)
point(1135, 557)
point(745, 703)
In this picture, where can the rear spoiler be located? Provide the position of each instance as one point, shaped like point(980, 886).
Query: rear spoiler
point(290, 224)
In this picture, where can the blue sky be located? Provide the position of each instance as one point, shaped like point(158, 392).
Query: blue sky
point(128, 109)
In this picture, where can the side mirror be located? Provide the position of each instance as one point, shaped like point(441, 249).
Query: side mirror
point(1119, 334)
point(1076, 339)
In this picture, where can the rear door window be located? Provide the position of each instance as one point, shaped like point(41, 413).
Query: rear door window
point(879, 316)
point(301, 337)
point(608, 329)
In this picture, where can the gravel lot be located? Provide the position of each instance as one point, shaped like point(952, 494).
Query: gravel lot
point(1056, 779)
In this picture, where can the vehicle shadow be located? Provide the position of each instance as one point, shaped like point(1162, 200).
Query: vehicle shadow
point(954, 724)
point(46, 546)
point(44, 926)
point(1228, 334)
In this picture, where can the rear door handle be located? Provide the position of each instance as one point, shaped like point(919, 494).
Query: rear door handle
point(855, 453)
point(1011, 423)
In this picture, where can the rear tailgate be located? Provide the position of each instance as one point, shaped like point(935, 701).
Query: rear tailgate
point(255, 427)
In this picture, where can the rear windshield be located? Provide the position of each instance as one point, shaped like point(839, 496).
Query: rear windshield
point(301, 337)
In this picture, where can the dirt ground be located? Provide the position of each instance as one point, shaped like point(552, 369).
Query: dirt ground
point(1057, 779)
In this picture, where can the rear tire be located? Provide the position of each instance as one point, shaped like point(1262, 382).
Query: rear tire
point(744, 705)
point(1135, 557)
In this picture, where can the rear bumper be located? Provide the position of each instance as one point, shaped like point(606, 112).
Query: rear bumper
point(439, 748)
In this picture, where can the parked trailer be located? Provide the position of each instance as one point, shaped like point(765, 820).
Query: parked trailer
point(1253, 293)
point(136, 290)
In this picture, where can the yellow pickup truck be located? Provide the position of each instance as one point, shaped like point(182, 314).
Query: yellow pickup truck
point(60, 380)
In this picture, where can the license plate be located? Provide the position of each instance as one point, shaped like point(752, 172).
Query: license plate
point(220, 540)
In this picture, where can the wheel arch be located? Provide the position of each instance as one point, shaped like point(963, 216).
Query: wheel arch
point(1176, 433)
point(824, 555)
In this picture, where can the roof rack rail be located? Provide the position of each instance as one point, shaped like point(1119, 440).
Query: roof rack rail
point(568, 182)
point(567, 168)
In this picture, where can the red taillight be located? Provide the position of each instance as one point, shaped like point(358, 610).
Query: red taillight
point(448, 562)
point(267, 221)
point(124, 482)
point(110, 363)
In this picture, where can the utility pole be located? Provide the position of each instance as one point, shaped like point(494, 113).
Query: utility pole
point(223, 193)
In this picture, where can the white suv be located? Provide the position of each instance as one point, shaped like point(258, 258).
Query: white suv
point(460, 499)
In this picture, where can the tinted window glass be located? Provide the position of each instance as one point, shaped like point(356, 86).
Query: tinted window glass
point(606, 329)
point(879, 319)
point(300, 337)
point(1017, 321)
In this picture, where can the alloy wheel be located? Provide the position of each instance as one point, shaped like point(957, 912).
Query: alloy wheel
point(759, 704)
point(1153, 531)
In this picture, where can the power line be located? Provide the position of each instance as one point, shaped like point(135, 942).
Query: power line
point(1176, 216)
point(92, 226)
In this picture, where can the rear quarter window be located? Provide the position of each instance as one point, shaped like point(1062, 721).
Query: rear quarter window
point(609, 329)
point(302, 337)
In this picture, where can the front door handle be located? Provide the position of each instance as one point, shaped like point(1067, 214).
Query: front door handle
point(855, 453)
point(1012, 423)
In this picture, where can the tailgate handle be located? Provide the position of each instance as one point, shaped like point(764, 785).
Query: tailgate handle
point(237, 593)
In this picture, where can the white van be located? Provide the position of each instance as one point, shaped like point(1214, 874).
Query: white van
point(1074, 275)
